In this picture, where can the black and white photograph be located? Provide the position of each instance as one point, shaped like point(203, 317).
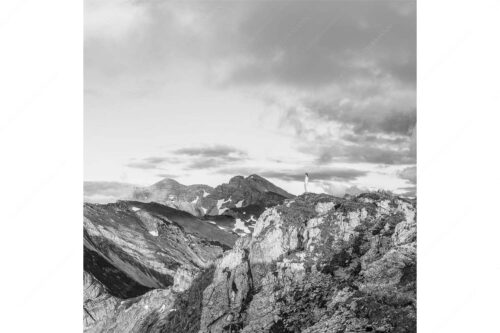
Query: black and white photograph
point(249, 166)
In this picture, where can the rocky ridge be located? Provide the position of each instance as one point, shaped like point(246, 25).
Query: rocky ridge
point(200, 200)
point(234, 206)
point(132, 247)
point(315, 263)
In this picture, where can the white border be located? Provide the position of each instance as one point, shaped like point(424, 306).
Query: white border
point(41, 140)
point(41, 168)
point(458, 125)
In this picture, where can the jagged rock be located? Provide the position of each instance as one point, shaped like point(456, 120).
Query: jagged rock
point(97, 302)
point(153, 245)
point(138, 258)
point(320, 264)
point(106, 313)
point(242, 192)
point(314, 264)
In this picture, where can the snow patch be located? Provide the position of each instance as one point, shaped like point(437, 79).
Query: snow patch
point(195, 200)
point(154, 232)
point(135, 209)
point(239, 204)
point(240, 225)
point(205, 193)
point(220, 202)
point(204, 210)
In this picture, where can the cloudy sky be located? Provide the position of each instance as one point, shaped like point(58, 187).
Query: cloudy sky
point(201, 91)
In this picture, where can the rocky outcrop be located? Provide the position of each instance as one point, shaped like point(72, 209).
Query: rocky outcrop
point(138, 257)
point(146, 245)
point(314, 264)
point(320, 264)
point(242, 192)
point(106, 313)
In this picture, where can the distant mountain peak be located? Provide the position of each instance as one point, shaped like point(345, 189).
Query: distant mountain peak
point(256, 176)
point(236, 179)
point(201, 200)
point(166, 181)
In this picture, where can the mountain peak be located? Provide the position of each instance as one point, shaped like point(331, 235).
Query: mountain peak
point(166, 182)
point(256, 177)
point(236, 179)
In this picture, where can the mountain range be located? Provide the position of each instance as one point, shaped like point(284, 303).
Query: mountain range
point(200, 200)
point(247, 257)
point(234, 206)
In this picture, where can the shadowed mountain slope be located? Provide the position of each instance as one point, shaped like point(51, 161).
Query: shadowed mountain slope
point(132, 247)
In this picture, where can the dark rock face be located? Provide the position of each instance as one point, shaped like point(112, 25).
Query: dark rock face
point(132, 248)
point(242, 192)
point(97, 302)
point(117, 282)
point(151, 243)
point(106, 313)
point(313, 264)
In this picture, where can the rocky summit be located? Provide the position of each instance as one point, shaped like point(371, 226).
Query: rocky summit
point(314, 263)
point(253, 191)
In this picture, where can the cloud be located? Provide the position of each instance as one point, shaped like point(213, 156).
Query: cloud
point(341, 74)
point(104, 192)
point(217, 151)
point(409, 174)
point(319, 174)
point(355, 190)
point(210, 156)
point(193, 158)
point(167, 175)
point(113, 19)
point(141, 165)
point(340, 190)
point(353, 135)
point(153, 162)
point(298, 44)
point(374, 117)
point(410, 191)
point(363, 153)
point(315, 43)
point(368, 138)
